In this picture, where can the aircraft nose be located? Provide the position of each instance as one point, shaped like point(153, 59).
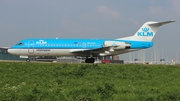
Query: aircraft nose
point(10, 51)
point(13, 51)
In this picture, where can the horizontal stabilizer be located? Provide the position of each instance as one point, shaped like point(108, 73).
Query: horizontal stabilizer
point(160, 23)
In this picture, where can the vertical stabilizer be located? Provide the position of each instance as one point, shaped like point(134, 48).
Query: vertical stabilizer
point(148, 31)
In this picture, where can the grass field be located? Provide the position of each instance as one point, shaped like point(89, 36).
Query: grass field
point(22, 81)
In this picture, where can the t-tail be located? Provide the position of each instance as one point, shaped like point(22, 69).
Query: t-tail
point(147, 31)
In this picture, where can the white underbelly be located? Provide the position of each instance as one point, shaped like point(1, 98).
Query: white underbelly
point(46, 52)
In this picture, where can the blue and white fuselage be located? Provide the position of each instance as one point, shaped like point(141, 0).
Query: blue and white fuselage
point(75, 47)
point(88, 47)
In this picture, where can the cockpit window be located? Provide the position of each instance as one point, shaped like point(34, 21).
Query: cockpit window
point(19, 44)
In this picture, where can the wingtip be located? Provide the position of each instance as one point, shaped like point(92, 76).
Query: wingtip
point(173, 20)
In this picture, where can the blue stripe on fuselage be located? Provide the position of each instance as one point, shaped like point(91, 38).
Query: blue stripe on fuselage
point(75, 43)
point(138, 44)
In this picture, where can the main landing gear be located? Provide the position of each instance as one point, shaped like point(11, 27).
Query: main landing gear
point(89, 60)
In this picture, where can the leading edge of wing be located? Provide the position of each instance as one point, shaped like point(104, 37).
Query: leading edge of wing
point(99, 50)
point(79, 50)
point(83, 50)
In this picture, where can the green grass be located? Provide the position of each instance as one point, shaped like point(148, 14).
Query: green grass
point(88, 82)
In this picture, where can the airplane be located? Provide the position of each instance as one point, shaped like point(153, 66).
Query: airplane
point(88, 48)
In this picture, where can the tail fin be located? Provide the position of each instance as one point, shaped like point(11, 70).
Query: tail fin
point(148, 31)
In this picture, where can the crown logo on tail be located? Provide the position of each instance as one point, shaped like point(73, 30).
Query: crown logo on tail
point(145, 29)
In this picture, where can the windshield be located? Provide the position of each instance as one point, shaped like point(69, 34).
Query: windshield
point(19, 44)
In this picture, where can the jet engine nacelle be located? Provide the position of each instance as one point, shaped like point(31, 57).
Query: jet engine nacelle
point(116, 44)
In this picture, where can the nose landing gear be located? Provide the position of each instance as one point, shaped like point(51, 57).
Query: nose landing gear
point(28, 60)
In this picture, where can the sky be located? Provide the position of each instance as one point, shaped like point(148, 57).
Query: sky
point(20, 19)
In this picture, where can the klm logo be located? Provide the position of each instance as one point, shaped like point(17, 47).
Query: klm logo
point(145, 32)
point(41, 42)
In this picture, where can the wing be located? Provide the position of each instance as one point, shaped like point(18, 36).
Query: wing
point(96, 51)
point(109, 48)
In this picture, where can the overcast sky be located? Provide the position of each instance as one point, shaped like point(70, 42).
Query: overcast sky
point(20, 19)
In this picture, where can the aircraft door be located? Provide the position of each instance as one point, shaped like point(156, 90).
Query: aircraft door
point(31, 46)
point(84, 45)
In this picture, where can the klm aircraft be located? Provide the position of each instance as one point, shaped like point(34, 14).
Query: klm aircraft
point(88, 48)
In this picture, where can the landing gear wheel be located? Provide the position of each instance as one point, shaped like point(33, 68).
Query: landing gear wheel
point(27, 60)
point(90, 60)
point(87, 61)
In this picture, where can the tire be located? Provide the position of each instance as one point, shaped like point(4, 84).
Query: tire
point(28, 60)
point(92, 60)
